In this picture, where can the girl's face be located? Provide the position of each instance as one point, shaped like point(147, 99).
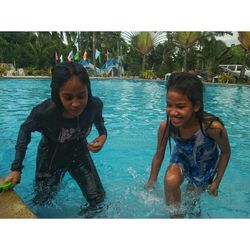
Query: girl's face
point(74, 97)
point(180, 109)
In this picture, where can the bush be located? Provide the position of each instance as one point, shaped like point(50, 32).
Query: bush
point(29, 71)
point(104, 75)
point(2, 70)
point(162, 70)
point(147, 74)
point(128, 73)
point(226, 77)
point(37, 72)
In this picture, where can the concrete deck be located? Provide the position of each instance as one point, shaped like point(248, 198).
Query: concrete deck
point(11, 206)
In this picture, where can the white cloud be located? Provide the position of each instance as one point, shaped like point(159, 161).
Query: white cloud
point(229, 40)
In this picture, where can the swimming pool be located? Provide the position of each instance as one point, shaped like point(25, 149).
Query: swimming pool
point(133, 110)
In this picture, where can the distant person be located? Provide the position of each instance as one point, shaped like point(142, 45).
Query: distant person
point(65, 120)
point(202, 148)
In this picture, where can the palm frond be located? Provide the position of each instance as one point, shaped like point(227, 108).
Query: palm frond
point(244, 38)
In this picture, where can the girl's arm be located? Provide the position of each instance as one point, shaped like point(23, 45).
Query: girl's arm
point(159, 154)
point(97, 144)
point(30, 125)
point(24, 136)
point(219, 134)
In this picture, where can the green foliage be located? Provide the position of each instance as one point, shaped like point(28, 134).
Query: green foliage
point(162, 70)
point(187, 39)
point(2, 70)
point(161, 52)
point(226, 77)
point(144, 42)
point(147, 74)
point(30, 71)
point(91, 73)
point(127, 73)
point(104, 75)
point(244, 38)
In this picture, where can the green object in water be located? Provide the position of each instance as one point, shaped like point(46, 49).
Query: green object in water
point(5, 186)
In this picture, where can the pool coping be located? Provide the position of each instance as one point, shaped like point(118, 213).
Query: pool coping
point(128, 78)
point(13, 207)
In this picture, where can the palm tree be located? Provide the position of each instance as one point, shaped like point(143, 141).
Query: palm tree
point(93, 51)
point(244, 38)
point(144, 42)
point(212, 52)
point(43, 47)
point(186, 40)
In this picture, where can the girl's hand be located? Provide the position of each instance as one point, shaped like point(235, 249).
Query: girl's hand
point(213, 189)
point(14, 177)
point(97, 144)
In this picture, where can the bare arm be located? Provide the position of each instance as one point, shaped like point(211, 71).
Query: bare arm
point(159, 154)
point(219, 134)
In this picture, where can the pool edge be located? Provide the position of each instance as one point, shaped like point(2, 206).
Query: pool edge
point(13, 207)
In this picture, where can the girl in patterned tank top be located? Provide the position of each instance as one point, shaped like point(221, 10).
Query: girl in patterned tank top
point(202, 148)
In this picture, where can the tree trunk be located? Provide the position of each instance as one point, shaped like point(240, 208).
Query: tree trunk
point(242, 72)
point(93, 53)
point(143, 63)
point(185, 59)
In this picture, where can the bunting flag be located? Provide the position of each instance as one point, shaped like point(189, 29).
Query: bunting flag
point(97, 53)
point(70, 56)
point(61, 58)
point(56, 56)
point(76, 56)
point(85, 56)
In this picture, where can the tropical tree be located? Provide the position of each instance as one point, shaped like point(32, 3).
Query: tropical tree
point(212, 52)
point(244, 38)
point(144, 42)
point(43, 49)
point(163, 58)
point(186, 40)
point(110, 42)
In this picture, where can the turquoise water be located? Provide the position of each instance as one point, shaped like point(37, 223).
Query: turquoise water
point(132, 111)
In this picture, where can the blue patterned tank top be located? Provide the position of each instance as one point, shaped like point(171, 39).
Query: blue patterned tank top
point(198, 157)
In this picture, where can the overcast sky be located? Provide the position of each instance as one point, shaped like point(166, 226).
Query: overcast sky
point(229, 40)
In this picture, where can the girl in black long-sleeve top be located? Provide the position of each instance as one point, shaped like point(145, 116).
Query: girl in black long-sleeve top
point(64, 121)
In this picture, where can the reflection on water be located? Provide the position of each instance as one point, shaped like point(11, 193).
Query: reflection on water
point(133, 111)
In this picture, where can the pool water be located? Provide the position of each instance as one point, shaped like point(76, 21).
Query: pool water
point(133, 110)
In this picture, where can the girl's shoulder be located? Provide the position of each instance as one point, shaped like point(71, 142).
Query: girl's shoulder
point(211, 121)
point(44, 108)
point(96, 101)
point(163, 125)
point(213, 125)
point(44, 104)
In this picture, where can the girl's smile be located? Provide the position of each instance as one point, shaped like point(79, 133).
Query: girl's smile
point(180, 109)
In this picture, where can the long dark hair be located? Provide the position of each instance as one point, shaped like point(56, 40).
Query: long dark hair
point(192, 87)
point(61, 73)
point(189, 85)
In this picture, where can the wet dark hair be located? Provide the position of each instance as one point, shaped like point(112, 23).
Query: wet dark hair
point(61, 73)
point(189, 85)
point(192, 87)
